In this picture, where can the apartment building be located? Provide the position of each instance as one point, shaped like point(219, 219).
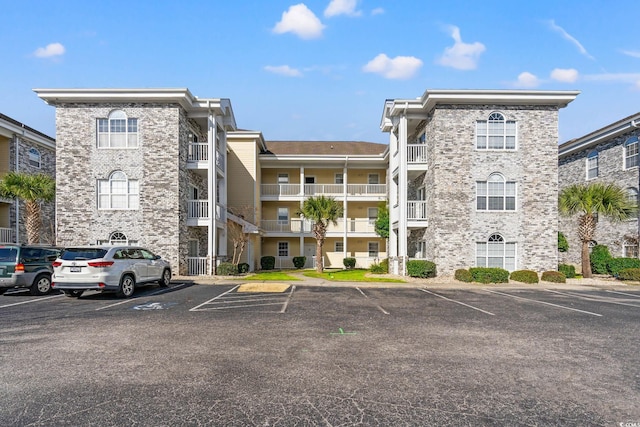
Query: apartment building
point(608, 155)
point(24, 149)
point(473, 178)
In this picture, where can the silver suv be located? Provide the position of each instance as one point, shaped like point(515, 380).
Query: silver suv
point(27, 266)
point(108, 268)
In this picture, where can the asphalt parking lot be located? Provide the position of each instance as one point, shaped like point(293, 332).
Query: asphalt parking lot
point(311, 355)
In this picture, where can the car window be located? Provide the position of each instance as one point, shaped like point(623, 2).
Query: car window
point(8, 254)
point(147, 255)
point(31, 255)
point(51, 254)
point(134, 254)
point(120, 254)
point(71, 254)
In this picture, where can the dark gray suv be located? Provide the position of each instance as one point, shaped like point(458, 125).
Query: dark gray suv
point(27, 266)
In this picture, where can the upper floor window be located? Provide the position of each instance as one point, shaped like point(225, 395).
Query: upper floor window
point(339, 178)
point(117, 131)
point(118, 192)
point(283, 178)
point(631, 152)
point(374, 178)
point(496, 252)
point(496, 194)
point(283, 215)
point(35, 157)
point(496, 133)
point(592, 165)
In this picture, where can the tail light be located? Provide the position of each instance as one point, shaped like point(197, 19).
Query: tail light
point(20, 267)
point(56, 264)
point(100, 264)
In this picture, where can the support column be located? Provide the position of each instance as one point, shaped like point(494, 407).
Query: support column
point(212, 233)
point(402, 192)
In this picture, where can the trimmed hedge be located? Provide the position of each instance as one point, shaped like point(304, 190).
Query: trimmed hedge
point(489, 275)
point(243, 267)
point(299, 261)
point(568, 270)
point(524, 276)
point(267, 262)
point(226, 269)
point(615, 265)
point(349, 262)
point(553, 276)
point(632, 274)
point(599, 258)
point(463, 275)
point(421, 268)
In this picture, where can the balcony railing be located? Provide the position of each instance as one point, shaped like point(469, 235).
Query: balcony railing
point(363, 225)
point(330, 189)
point(199, 209)
point(198, 152)
point(416, 153)
point(196, 266)
point(6, 235)
point(220, 161)
point(280, 189)
point(359, 189)
point(416, 210)
point(312, 189)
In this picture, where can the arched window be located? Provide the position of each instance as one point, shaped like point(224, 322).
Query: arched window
point(496, 133)
point(35, 157)
point(592, 165)
point(118, 192)
point(496, 252)
point(496, 194)
point(118, 238)
point(631, 152)
point(632, 195)
point(117, 131)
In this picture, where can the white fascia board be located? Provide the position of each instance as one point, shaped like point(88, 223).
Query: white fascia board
point(503, 97)
point(594, 138)
point(8, 129)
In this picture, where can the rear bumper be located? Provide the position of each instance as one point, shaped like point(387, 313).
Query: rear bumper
point(66, 286)
point(11, 282)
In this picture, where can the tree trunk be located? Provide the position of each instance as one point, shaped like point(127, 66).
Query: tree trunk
point(319, 263)
point(33, 222)
point(586, 260)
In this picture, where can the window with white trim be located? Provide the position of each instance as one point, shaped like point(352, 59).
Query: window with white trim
point(283, 215)
point(631, 153)
point(372, 213)
point(632, 196)
point(117, 131)
point(118, 192)
point(495, 252)
point(592, 165)
point(496, 133)
point(373, 249)
point(374, 178)
point(338, 246)
point(339, 179)
point(283, 178)
point(34, 157)
point(283, 248)
point(496, 194)
point(630, 249)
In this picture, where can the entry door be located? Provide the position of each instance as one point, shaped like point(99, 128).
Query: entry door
point(309, 252)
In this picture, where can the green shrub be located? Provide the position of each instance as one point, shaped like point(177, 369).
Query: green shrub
point(615, 265)
point(226, 269)
point(553, 276)
point(524, 276)
point(599, 257)
point(489, 274)
point(267, 262)
point(463, 275)
point(385, 264)
point(299, 261)
point(632, 274)
point(349, 262)
point(377, 268)
point(243, 267)
point(421, 268)
point(568, 270)
point(563, 245)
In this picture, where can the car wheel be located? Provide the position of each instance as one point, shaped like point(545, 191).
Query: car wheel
point(41, 285)
point(73, 293)
point(127, 286)
point(166, 278)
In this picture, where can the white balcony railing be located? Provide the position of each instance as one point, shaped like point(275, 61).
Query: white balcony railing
point(330, 189)
point(6, 235)
point(416, 210)
point(196, 266)
point(313, 189)
point(416, 153)
point(220, 161)
point(280, 189)
point(290, 226)
point(373, 189)
point(198, 209)
point(198, 152)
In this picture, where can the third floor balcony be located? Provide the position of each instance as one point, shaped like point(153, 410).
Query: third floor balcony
point(297, 191)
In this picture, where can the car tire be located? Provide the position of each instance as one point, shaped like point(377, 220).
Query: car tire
point(73, 293)
point(127, 286)
point(41, 285)
point(166, 278)
point(3, 290)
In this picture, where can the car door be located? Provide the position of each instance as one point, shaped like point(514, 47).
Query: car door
point(138, 264)
point(154, 267)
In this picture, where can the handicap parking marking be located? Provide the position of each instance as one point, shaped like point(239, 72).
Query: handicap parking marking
point(457, 302)
point(377, 305)
point(605, 300)
point(233, 299)
point(542, 302)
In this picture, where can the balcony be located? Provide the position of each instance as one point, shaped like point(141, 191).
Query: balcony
point(416, 153)
point(416, 213)
point(362, 226)
point(198, 156)
point(364, 191)
point(198, 213)
point(6, 235)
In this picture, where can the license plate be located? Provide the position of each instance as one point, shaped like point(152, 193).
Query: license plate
point(74, 269)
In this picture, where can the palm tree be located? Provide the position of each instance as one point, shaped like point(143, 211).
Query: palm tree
point(321, 211)
point(589, 201)
point(33, 189)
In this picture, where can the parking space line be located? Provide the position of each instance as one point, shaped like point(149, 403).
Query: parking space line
point(214, 298)
point(596, 299)
point(286, 303)
point(158, 292)
point(457, 302)
point(624, 293)
point(30, 301)
point(543, 302)
point(377, 306)
point(227, 307)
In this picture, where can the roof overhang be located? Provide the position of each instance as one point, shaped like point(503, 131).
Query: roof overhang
point(594, 138)
point(248, 135)
point(10, 127)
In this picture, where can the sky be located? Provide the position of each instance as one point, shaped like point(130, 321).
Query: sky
point(322, 69)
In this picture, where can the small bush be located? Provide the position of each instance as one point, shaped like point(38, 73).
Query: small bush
point(599, 257)
point(524, 276)
point(377, 268)
point(463, 275)
point(385, 264)
point(421, 268)
point(349, 262)
point(615, 265)
point(226, 269)
point(563, 245)
point(632, 274)
point(299, 261)
point(267, 262)
point(553, 276)
point(489, 275)
point(568, 270)
point(243, 267)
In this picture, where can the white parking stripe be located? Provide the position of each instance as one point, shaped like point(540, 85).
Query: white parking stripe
point(30, 301)
point(457, 302)
point(214, 298)
point(378, 306)
point(624, 293)
point(158, 292)
point(236, 306)
point(596, 299)
point(543, 302)
point(286, 303)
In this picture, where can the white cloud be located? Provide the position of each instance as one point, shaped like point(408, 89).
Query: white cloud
point(570, 38)
point(527, 80)
point(462, 56)
point(342, 7)
point(377, 11)
point(283, 70)
point(51, 50)
point(632, 53)
point(566, 75)
point(300, 21)
point(400, 67)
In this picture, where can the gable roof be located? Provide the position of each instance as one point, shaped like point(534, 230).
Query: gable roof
point(324, 148)
point(592, 139)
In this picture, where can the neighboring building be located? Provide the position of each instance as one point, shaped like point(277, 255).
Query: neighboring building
point(473, 178)
point(608, 155)
point(24, 149)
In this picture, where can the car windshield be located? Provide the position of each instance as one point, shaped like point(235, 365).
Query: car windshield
point(74, 254)
point(8, 254)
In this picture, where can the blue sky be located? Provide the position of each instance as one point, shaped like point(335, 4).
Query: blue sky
point(322, 69)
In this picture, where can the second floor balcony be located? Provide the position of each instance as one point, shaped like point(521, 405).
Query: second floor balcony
point(360, 226)
point(198, 156)
point(6, 235)
point(363, 191)
point(198, 213)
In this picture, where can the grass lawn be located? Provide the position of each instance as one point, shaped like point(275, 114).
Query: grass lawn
point(271, 275)
point(349, 276)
